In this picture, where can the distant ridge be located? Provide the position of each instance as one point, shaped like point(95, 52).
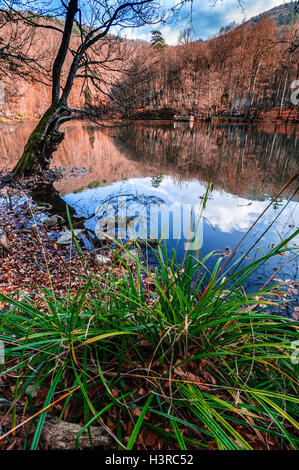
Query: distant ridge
point(284, 14)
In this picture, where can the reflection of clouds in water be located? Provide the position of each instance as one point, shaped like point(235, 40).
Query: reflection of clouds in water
point(222, 211)
point(225, 212)
point(229, 213)
point(87, 201)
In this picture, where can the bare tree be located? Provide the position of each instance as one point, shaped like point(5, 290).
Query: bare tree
point(85, 28)
point(293, 44)
point(88, 48)
point(17, 57)
point(231, 74)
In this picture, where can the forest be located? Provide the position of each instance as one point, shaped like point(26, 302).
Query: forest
point(230, 74)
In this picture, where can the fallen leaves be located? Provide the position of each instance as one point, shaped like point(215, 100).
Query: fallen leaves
point(190, 377)
point(34, 259)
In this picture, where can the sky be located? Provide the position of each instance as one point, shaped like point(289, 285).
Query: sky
point(208, 19)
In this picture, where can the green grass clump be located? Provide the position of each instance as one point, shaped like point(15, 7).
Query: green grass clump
point(148, 354)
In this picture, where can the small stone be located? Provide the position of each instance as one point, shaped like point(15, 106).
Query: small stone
point(66, 238)
point(101, 260)
point(54, 220)
point(107, 227)
point(4, 242)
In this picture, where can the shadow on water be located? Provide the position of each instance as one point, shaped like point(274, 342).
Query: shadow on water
point(46, 194)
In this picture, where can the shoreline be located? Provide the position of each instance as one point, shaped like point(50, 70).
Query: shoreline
point(159, 119)
point(30, 223)
point(97, 313)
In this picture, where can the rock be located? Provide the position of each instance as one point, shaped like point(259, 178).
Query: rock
point(62, 436)
point(120, 220)
point(108, 225)
point(57, 435)
point(66, 238)
point(101, 260)
point(54, 220)
point(125, 221)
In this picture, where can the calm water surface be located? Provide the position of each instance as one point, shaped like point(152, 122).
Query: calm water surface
point(174, 163)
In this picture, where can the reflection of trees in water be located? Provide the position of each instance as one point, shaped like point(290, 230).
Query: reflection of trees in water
point(156, 181)
point(121, 201)
point(237, 158)
point(118, 201)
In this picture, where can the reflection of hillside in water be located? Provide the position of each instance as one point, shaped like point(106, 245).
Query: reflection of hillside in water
point(244, 160)
point(85, 145)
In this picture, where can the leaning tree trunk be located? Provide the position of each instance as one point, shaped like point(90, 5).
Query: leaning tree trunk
point(43, 142)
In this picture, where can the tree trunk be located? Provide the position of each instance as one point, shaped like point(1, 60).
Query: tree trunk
point(285, 86)
point(43, 142)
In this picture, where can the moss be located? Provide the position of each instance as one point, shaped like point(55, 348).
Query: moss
point(160, 114)
point(29, 159)
point(92, 141)
point(76, 191)
point(56, 138)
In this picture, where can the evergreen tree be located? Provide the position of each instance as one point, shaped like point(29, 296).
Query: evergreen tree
point(158, 41)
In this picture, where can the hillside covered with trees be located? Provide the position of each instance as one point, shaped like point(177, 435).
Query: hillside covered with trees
point(248, 66)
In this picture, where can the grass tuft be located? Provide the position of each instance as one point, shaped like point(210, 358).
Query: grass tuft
point(193, 368)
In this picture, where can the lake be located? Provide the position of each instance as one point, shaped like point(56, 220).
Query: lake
point(174, 163)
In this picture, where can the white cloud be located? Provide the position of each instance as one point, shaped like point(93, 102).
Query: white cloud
point(252, 8)
point(208, 17)
point(227, 213)
point(171, 36)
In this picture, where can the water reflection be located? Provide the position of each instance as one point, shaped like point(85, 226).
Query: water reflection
point(246, 164)
point(250, 161)
point(245, 160)
point(85, 145)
